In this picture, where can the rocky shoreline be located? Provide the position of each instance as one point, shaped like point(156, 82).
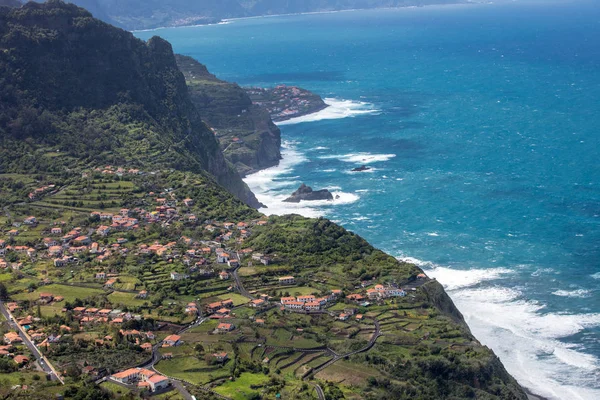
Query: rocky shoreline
point(286, 102)
point(243, 119)
point(306, 193)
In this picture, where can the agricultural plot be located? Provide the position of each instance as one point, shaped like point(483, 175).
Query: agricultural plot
point(348, 374)
point(70, 293)
point(114, 389)
point(241, 387)
point(86, 195)
point(126, 299)
point(194, 370)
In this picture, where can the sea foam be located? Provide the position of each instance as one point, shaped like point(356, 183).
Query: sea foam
point(337, 109)
point(273, 185)
point(527, 339)
point(579, 293)
point(360, 158)
point(453, 279)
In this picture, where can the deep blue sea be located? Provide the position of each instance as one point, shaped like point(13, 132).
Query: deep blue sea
point(481, 124)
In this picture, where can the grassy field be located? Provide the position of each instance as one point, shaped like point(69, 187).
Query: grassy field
point(172, 395)
point(300, 291)
point(193, 370)
point(127, 299)
point(347, 373)
point(67, 291)
point(21, 377)
point(237, 299)
point(127, 283)
point(240, 388)
point(95, 195)
point(247, 271)
point(114, 389)
point(70, 293)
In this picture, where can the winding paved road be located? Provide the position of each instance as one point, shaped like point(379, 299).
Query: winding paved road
point(320, 392)
point(42, 360)
point(178, 383)
point(238, 284)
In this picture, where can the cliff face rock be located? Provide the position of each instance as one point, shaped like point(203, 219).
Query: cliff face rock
point(248, 137)
point(306, 193)
point(88, 88)
point(361, 169)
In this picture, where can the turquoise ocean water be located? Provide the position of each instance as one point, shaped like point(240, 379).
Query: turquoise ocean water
point(482, 127)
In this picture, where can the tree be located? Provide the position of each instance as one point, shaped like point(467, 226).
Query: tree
point(3, 291)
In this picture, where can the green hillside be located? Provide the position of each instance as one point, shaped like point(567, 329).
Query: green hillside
point(125, 103)
point(116, 232)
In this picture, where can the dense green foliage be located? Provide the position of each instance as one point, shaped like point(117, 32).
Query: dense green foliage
point(145, 14)
point(77, 94)
point(124, 103)
point(305, 242)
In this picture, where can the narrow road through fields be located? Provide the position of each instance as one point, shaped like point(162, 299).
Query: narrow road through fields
point(338, 357)
point(42, 360)
point(178, 383)
point(320, 392)
point(238, 284)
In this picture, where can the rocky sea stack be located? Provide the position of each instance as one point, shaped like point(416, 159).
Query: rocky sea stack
point(361, 169)
point(306, 193)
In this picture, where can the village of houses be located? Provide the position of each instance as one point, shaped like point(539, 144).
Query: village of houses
point(105, 237)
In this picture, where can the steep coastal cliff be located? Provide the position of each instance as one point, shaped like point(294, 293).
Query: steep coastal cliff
point(248, 137)
point(69, 97)
point(101, 139)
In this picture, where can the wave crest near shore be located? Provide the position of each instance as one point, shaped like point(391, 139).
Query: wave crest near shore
point(337, 109)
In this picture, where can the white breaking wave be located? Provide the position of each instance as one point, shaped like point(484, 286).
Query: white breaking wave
point(369, 171)
point(273, 185)
point(580, 293)
point(337, 109)
point(453, 279)
point(596, 275)
point(272, 178)
point(360, 158)
point(526, 339)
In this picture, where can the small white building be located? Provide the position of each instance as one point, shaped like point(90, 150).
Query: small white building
point(287, 280)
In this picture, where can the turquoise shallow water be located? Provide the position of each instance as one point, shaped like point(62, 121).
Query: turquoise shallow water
point(481, 124)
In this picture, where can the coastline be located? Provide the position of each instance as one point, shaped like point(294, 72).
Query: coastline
point(532, 396)
point(311, 209)
point(226, 21)
point(300, 115)
point(427, 6)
